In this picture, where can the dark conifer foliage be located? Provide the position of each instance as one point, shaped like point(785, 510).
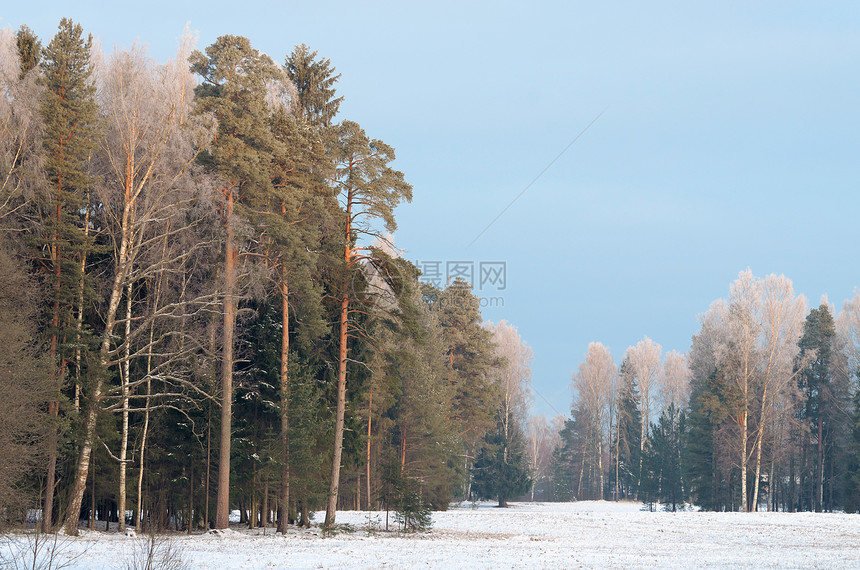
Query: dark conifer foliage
point(29, 49)
point(203, 311)
point(501, 470)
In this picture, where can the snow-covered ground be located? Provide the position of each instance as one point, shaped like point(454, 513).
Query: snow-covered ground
point(539, 535)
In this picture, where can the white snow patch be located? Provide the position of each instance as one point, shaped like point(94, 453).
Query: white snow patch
point(589, 534)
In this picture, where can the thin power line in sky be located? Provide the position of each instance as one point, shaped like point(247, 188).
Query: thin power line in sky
point(535, 179)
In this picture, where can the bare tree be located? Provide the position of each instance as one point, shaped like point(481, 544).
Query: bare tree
point(644, 362)
point(20, 98)
point(513, 376)
point(543, 438)
point(147, 150)
point(676, 380)
point(848, 332)
point(592, 384)
point(782, 319)
point(757, 349)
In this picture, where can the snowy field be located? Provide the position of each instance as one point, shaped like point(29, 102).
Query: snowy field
point(536, 535)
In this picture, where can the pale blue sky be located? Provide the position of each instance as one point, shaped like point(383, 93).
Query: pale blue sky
point(729, 140)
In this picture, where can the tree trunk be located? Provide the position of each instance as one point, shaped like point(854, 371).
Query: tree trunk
point(264, 509)
point(617, 458)
point(284, 498)
point(143, 436)
point(222, 505)
point(820, 475)
point(758, 446)
point(122, 270)
point(744, 440)
point(369, 423)
point(340, 409)
point(124, 378)
point(56, 381)
point(600, 464)
point(190, 493)
point(339, 415)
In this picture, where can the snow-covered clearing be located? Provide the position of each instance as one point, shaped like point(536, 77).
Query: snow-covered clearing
point(542, 535)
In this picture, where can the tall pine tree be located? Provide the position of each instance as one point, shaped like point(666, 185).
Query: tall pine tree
point(70, 116)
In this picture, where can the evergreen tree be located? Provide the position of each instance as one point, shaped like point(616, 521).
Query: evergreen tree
point(369, 190)
point(563, 458)
point(470, 359)
point(664, 482)
point(827, 395)
point(303, 221)
point(70, 116)
point(501, 470)
point(29, 49)
point(314, 79)
point(708, 477)
point(238, 86)
point(626, 446)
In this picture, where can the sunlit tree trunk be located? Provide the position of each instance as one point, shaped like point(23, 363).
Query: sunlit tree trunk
point(124, 378)
point(284, 498)
point(341, 397)
point(222, 503)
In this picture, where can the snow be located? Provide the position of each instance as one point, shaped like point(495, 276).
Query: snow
point(585, 534)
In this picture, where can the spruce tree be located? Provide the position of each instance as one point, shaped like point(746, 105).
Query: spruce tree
point(664, 482)
point(501, 470)
point(29, 49)
point(315, 80)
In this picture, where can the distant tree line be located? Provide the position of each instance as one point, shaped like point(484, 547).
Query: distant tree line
point(764, 412)
point(202, 310)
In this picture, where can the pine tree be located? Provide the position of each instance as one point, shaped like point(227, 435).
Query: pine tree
point(369, 190)
point(303, 209)
point(815, 381)
point(69, 115)
point(238, 82)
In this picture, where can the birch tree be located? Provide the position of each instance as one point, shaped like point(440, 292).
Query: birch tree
point(20, 124)
point(848, 331)
point(592, 385)
point(782, 317)
point(676, 380)
point(513, 376)
point(756, 350)
point(542, 438)
point(646, 370)
point(146, 153)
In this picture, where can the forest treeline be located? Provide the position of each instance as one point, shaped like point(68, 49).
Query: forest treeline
point(763, 413)
point(202, 310)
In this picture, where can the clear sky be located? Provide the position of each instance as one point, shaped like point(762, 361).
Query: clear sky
point(729, 139)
